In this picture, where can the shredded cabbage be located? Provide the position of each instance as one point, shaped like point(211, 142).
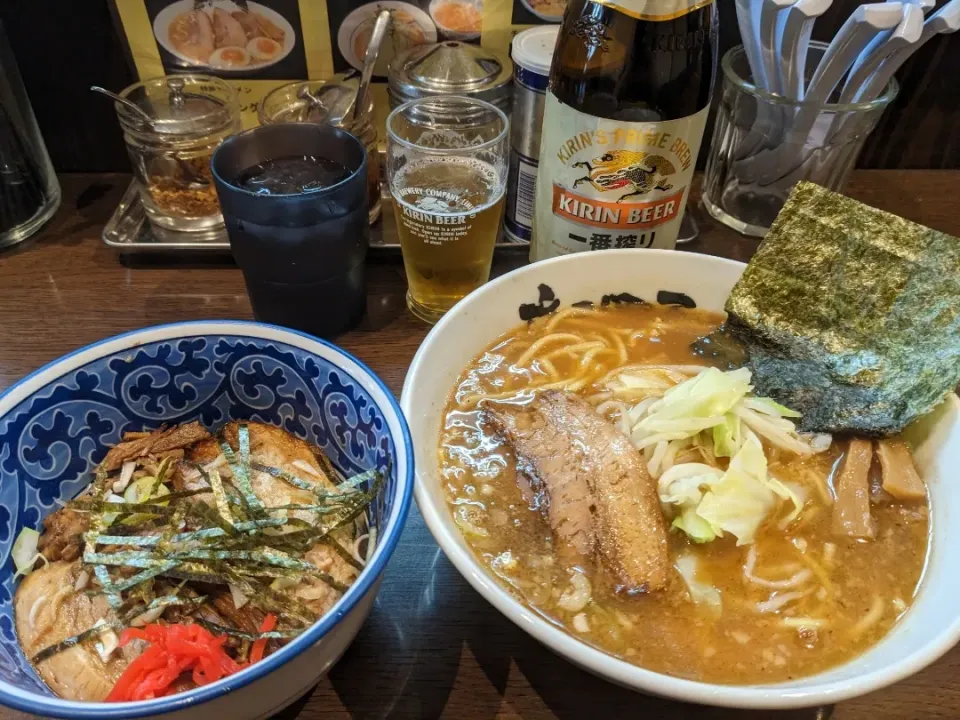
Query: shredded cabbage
point(694, 526)
point(25, 553)
point(681, 488)
point(727, 436)
point(714, 413)
point(700, 593)
point(743, 498)
point(705, 502)
point(716, 410)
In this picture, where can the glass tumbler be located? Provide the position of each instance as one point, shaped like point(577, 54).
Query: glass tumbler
point(764, 144)
point(302, 241)
point(29, 192)
point(184, 119)
point(447, 163)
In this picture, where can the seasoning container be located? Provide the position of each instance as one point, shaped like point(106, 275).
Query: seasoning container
point(330, 102)
point(532, 52)
point(187, 117)
point(451, 68)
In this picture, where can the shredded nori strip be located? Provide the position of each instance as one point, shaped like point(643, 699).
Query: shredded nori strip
point(206, 533)
point(134, 558)
point(176, 522)
point(103, 575)
point(220, 497)
point(70, 642)
point(234, 632)
point(342, 552)
point(328, 468)
point(316, 488)
point(241, 470)
point(130, 558)
point(134, 580)
point(238, 542)
point(161, 476)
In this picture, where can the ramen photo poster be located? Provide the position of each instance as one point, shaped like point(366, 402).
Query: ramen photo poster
point(261, 45)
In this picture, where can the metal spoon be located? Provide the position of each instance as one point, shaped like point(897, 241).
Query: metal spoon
point(139, 111)
point(369, 60)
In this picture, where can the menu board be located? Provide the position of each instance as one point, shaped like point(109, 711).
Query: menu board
point(262, 45)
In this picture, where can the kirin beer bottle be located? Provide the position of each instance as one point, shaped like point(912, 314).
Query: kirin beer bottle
point(628, 98)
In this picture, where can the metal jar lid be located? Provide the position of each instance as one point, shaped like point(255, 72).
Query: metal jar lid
point(451, 68)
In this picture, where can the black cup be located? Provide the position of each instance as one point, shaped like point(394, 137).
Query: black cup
point(302, 254)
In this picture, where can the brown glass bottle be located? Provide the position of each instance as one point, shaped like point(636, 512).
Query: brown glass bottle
point(629, 91)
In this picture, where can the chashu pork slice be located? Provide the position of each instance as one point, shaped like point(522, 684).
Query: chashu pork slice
point(49, 610)
point(274, 447)
point(601, 498)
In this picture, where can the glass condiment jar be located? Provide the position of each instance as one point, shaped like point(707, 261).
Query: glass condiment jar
point(187, 117)
point(330, 102)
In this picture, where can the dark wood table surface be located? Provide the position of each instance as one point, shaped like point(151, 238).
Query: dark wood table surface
point(432, 646)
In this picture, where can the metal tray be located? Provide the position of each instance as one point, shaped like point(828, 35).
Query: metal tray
point(129, 231)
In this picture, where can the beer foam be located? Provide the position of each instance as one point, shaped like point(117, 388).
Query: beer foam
point(482, 171)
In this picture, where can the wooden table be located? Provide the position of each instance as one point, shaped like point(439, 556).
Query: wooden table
point(432, 647)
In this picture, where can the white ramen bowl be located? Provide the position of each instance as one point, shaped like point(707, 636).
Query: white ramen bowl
point(927, 631)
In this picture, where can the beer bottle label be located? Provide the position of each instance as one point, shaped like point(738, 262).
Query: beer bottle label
point(655, 10)
point(609, 183)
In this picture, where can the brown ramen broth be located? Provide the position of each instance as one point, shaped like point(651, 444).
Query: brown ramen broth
point(795, 602)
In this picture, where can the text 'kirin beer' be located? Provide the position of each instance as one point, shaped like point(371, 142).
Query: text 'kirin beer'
point(629, 93)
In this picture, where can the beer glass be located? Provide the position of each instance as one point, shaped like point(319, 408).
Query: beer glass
point(447, 170)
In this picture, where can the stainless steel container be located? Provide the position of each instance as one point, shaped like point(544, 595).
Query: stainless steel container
point(532, 52)
point(451, 68)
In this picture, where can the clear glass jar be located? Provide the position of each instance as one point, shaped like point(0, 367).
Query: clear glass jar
point(187, 117)
point(764, 144)
point(29, 192)
point(329, 102)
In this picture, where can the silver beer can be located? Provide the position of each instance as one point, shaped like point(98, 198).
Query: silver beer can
point(532, 52)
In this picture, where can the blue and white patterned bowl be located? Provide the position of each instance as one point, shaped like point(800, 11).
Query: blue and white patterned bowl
point(56, 424)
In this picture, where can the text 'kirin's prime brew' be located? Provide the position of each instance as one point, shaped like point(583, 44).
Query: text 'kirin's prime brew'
point(628, 98)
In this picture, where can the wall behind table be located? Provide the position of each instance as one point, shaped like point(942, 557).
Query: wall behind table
point(64, 46)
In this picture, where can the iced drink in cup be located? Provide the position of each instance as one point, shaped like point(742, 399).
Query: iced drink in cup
point(295, 206)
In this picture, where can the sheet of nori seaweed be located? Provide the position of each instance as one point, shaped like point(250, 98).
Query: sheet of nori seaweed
point(851, 314)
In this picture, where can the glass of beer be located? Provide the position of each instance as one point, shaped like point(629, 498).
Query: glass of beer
point(447, 169)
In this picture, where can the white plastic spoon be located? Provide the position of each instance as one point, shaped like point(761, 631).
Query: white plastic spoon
point(882, 47)
point(866, 22)
point(945, 20)
point(748, 19)
point(770, 12)
point(795, 43)
point(858, 30)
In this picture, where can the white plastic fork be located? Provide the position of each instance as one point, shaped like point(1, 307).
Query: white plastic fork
point(877, 50)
